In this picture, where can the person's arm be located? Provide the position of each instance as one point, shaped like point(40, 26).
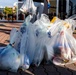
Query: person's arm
point(48, 1)
point(49, 5)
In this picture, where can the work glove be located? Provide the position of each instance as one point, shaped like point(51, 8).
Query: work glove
point(49, 5)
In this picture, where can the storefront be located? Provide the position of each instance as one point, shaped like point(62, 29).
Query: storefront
point(61, 8)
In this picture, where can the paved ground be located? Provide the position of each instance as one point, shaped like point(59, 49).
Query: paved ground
point(43, 69)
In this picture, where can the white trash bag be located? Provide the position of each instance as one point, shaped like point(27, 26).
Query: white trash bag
point(26, 62)
point(15, 38)
point(72, 24)
point(26, 23)
point(13, 35)
point(39, 50)
point(64, 49)
point(43, 23)
point(28, 6)
point(30, 43)
point(23, 49)
point(49, 51)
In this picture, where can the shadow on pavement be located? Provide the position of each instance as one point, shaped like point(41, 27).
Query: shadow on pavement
point(2, 25)
point(42, 70)
point(7, 31)
point(2, 45)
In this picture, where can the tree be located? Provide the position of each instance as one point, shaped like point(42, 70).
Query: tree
point(8, 10)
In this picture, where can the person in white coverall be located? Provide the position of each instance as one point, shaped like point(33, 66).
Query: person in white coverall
point(39, 4)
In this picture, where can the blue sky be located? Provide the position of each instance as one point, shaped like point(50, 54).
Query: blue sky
point(7, 2)
point(11, 2)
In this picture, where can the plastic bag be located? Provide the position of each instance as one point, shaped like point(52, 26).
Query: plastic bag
point(24, 40)
point(28, 6)
point(26, 23)
point(41, 27)
point(9, 58)
point(42, 24)
point(13, 35)
point(30, 47)
point(72, 17)
point(15, 38)
point(72, 25)
point(49, 51)
point(24, 61)
point(39, 49)
point(23, 47)
point(64, 49)
point(19, 44)
point(72, 42)
point(63, 46)
point(60, 47)
point(28, 43)
point(55, 28)
point(55, 19)
point(35, 33)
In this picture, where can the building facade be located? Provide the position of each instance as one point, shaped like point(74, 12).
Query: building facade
point(60, 8)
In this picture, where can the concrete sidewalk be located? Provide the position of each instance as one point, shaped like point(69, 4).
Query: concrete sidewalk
point(43, 69)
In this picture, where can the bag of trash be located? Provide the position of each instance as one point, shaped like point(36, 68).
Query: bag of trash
point(9, 58)
point(28, 6)
point(28, 43)
point(26, 48)
point(72, 21)
point(64, 50)
point(23, 47)
point(49, 51)
point(13, 35)
point(72, 17)
point(43, 23)
point(72, 26)
point(55, 19)
point(42, 33)
point(39, 49)
point(72, 42)
point(63, 46)
point(15, 38)
point(59, 46)
point(55, 27)
point(30, 46)
point(42, 40)
point(53, 30)
point(26, 23)
point(19, 40)
point(25, 62)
